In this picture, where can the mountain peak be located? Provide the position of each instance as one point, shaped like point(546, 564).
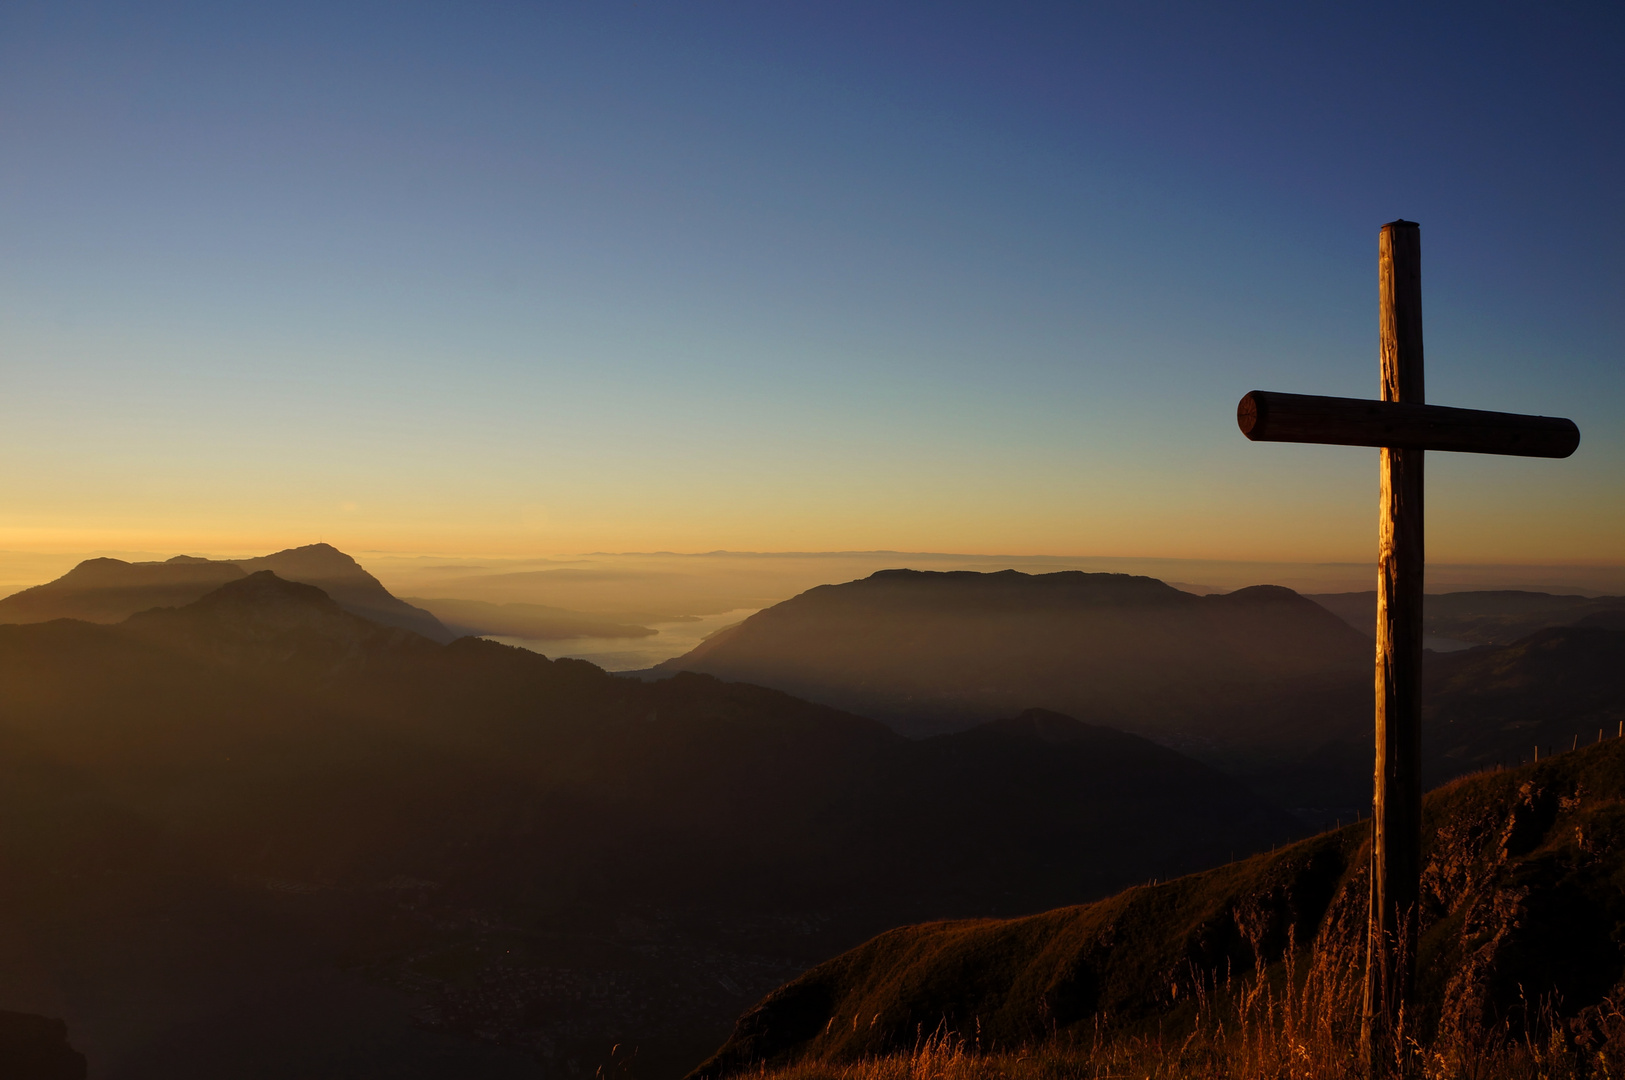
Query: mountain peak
point(309, 559)
point(1261, 594)
point(264, 592)
point(264, 618)
point(261, 600)
point(347, 582)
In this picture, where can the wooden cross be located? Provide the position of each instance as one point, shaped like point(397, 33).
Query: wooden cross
point(1404, 427)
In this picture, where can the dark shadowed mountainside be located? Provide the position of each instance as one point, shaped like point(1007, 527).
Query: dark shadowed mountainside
point(37, 1048)
point(1558, 689)
point(921, 650)
point(1521, 905)
point(1497, 617)
point(299, 838)
point(111, 590)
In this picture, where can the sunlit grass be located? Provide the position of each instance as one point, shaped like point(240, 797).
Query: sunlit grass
point(1262, 1028)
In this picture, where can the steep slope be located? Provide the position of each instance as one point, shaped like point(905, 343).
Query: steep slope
point(263, 790)
point(355, 590)
point(921, 650)
point(111, 590)
point(1521, 904)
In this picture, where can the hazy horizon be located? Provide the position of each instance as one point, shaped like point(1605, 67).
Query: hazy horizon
point(667, 585)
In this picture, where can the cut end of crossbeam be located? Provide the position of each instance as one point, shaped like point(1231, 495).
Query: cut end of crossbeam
point(1250, 413)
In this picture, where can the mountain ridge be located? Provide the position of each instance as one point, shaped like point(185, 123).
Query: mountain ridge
point(928, 650)
point(1483, 616)
point(107, 590)
point(263, 758)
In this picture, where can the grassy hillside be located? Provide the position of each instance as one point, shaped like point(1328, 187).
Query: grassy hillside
point(1524, 908)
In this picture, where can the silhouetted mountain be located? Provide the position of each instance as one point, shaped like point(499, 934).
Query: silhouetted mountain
point(111, 590)
point(262, 620)
point(924, 650)
point(261, 812)
point(355, 590)
point(1262, 682)
point(1557, 689)
point(1497, 617)
point(1521, 905)
point(36, 1048)
point(1491, 706)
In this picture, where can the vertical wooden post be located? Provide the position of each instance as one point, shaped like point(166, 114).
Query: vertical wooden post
point(1396, 814)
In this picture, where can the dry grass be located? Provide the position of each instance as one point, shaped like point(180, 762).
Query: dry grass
point(1521, 896)
point(1264, 1028)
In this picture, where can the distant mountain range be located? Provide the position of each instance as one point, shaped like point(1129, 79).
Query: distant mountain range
point(928, 651)
point(1266, 684)
point(260, 812)
point(1520, 904)
point(111, 590)
point(1491, 617)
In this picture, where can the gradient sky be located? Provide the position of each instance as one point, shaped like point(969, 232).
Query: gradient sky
point(528, 277)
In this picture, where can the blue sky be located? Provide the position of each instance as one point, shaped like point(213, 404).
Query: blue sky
point(524, 278)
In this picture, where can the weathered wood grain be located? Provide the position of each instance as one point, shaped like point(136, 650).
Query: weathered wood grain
point(1267, 416)
point(1396, 809)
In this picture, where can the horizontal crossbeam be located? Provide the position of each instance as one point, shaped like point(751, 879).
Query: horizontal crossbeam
point(1266, 416)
